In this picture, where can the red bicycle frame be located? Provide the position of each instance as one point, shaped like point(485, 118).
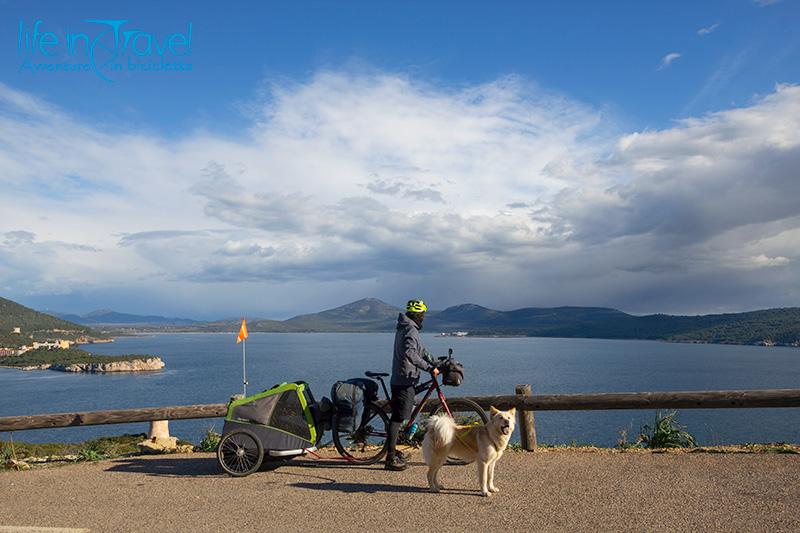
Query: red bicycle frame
point(431, 385)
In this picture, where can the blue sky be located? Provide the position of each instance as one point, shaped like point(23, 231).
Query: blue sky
point(554, 153)
point(601, 53)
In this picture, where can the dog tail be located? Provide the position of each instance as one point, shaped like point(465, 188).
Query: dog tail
point(442, 430)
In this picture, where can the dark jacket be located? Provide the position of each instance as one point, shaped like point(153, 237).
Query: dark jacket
point(407, 361)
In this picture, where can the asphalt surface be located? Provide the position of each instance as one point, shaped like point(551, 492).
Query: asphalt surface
point(543, 491)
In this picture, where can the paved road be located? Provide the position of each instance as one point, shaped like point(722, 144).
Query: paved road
point(548, 491)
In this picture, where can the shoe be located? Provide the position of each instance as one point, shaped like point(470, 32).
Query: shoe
point(396, 464)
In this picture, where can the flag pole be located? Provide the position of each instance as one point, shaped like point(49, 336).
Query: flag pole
point(244, 368)
point(242, 337)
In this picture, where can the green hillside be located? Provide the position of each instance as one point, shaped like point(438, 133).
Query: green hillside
point(778, 326)
point(36, 326)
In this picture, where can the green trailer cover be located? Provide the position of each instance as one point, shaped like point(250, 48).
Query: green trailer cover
point(281, 416)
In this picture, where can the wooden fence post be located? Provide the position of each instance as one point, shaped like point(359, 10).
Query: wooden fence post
point(527, 425)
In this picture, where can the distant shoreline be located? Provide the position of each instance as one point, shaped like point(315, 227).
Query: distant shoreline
point(438, 334)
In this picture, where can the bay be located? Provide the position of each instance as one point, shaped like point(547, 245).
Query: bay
point(206, 368)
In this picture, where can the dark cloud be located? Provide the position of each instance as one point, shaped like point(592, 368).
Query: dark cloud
point(133, 238)
point(405, 189)
point(385, 187)
point(431, 195)
point(692, 183)
point(12, 238)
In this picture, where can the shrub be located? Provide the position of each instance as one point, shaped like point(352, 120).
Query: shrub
point(666, 432)
point(7, 454)
point(92, 451)
point(210, 440)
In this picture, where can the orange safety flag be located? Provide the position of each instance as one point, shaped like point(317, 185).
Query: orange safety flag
point(242, 332)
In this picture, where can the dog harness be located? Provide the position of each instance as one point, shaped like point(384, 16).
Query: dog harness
point(461, 436)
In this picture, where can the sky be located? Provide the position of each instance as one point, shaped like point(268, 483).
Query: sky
point(266, 159)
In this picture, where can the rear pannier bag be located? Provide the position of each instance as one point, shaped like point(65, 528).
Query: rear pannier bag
point(323, 414)
point(349, 398)
point(453, 373)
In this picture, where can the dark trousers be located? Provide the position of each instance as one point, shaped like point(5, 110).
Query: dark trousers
point(402, 406)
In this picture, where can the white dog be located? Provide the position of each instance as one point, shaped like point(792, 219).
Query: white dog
point(483, 443)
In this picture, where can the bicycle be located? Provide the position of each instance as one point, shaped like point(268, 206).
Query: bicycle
point(368, 443)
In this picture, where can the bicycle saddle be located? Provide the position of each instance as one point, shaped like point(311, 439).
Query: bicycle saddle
point(375, 374)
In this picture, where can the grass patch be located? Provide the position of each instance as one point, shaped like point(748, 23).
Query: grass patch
point(777, 447)
point(571, 444)
point(90, 450)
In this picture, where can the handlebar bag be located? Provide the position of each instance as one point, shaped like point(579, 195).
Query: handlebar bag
point(453, 373)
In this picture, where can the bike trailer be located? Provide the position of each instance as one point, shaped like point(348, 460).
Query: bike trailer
point(349, 398)
point(281, 417)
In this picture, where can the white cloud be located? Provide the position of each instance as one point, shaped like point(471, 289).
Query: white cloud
point(707, 30)
point(761, 261)
point(376, 184)
point(764, 3)
point(668, 59)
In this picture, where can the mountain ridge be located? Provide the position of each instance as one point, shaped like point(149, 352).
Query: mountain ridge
point(779, 326)
point(105, 317)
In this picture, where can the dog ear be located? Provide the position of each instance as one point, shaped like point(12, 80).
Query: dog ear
point(512, 411)
point(493, 410)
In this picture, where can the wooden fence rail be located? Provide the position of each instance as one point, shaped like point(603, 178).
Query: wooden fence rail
point(645, 400)
point(119, 416)
point(522, 401)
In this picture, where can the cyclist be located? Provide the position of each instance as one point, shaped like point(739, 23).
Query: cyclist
point(406, 364)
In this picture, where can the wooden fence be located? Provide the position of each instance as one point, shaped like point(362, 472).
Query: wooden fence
point(523, 400)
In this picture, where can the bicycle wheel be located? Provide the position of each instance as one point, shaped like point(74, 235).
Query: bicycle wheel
point(368, 443)
point(466, 413)
point(240, 453)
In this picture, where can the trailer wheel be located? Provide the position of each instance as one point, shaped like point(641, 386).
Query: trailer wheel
point(240, 453)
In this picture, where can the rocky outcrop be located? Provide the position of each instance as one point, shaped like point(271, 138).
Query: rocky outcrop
point(149, 364)
point(33, 367)
point(14, 464)
point(134, 365)
point(157, 445)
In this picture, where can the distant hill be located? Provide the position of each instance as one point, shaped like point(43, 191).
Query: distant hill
point(36, 326)
point(464, 316)
point(770, 326)
point(107, 317)
point(369, 314)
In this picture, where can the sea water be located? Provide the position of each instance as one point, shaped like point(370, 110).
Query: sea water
point(207, 368)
